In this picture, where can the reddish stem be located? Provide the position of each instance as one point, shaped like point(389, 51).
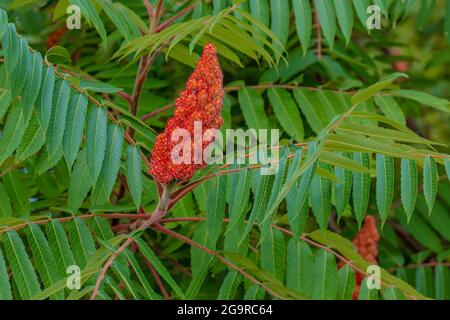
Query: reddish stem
point(284, 230)
point(156, 277)
point(124, 95)
point(187, 240)
point(159, 212)
point(319, 35)
point(158, 111)
point(236, 88)
point(169, 21)
point(149, 8)
point(133, 216)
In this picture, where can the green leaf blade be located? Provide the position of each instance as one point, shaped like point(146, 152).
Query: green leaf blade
point(344, 14)
point(96, 137)
point(5, 286)
point(385, 185)
point(59, 244)
point(327, 19)
point(300, 266)
point(303, 22)
point(287, 112)
point(325, 274)
point(44, 99)
point(252, 106)
point(430, 181)
point(74, 129)
point(44, 259)
point(361, 187)
point(111, 164)
point(409, 184)
point(57, 124)
point(134, 174)
point(22, 269)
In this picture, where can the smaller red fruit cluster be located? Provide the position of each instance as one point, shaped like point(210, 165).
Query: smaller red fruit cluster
point(366, 242)
point(54, 38)
point(202, 101)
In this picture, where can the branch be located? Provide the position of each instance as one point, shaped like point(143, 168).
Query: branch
point(177, 265)
point(319, 35)
point(259, 86)
point(159, 212)
point(124, 95)
point(177, 195)
point(421, 265)
point(169, 21)
point(142, 75)
point(158, 111)
point(304, 237)
point(108, 264)
point(130, 216)
point(189, 241)
point(150, 12)
point(287, 86)
point(145, 62)
point(410, 241)
point(156, 277)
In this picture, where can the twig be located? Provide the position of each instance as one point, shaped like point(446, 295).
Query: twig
point(122, 187)
point(156, 277)
point(189, 241)
point(284, 86)
point(421, 265)
point(332, 222)
point(132, 216)
point(304, 237)
point(121, 228)
point(150, 12)
point(108, 264)
point(142, 75)
point(158, 111)
point(179, 266)
point(11, 168)
point(236, 88)
point(158, 13)
point(405, 236)
point(319, 35)
point(192, 185)
point(145, 62)
point(159, 213)
point(124, 95)
point(169, 21)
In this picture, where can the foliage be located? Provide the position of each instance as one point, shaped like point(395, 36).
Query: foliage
point(364, 119)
